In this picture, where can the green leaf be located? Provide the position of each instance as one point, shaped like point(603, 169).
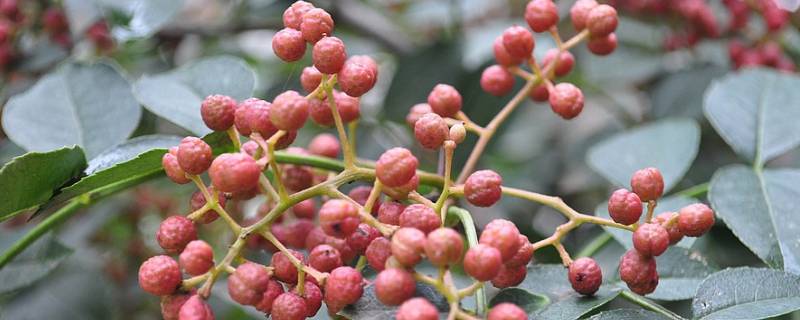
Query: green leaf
point(528, 301)
point(671, 203)
point(146, 16)
point(29, 180)
point(680, 272)
point(176, 95)
point(369, 307)
point(669, 145)
point(756, 112)
point(550, 280)
point(89, 105)
point(747, 293)
point(35, 263)
point(761, 210)
point(681, 93)
point(626, 314)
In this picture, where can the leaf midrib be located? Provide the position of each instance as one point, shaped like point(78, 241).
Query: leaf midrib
point(736, 305)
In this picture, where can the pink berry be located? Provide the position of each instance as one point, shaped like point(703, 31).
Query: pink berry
point(502, 56)
point(579, 12)
point(445, 100)
point(234, 172)
point(518, 42)
point(541, 15)
point(564, 63)
point(305, 209)
point(540, 93)
point(289, 306)
point(195, 309)
point(293, 15)
point(417, 309)
point(329, 55)
point(326, 145)
point(509, 276)
point(503, 235)
point(297, 231)
point(524, 253)
point(651, 239)
point(170, 163)
point(198, 200)
point(636, 269)
point(648, 184)
point(347, 106)
point(417, 111)
point(288, 45)
point(431, 131)
point(310, 79)
point(312, 295)
point(420, 217)
point(171, 305)
point(401, 192)
point(358, 75)
point(241, 116)
point(393, 286)
point(274, 289)
point(696, 219)
point(378, 251)
point(602, 20)
point(506, 311)
point(396, 166)
point(566, 100)
point(338, 218)
point(444, 246)
point(258, 118)
point(602, 45)
point(669, 221)
point(482, 262)
point(390, 212)
point(408, 245)
point(497, 81)
point(175, 232)
point(361, 194)
point(284, 270)
point(316, 24)
point(324, 258)
point(624, 207)
point(289, 111)
point(247, 284)
point(217, 112)
point(585, 276)
point(362, 237)
point(159, 275)
point(483, 188)
point(197, 258)
point(343, 286)
point(194, 155)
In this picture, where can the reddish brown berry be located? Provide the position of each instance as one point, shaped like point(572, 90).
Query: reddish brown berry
point(651, 239)
point(501, 55)
point(524, 253)
point(289, 111)
point(509, 276)
point(669, 221)
point(431, 131)
point(420, 217)
point(241, 117)
point(217, 112)
point(293, 15)
point(297, 231)
point(343, 286)
point(297, 178)
point(390, 212)
point(171, 305)
point(361, 194)
point(195, 309)
point(393, 286)
point(362, 237)
point(196, 258)
point(417, 309)
point(316, 24)
point(483, 188)
point(247, 284)
point(358, 75)
point(503, 235)
point(566, 100)
point(347, 106)
point(497, 81)
point(159, 275)
point(378, 251)
point(579, 12)
point(289, 45)
point(407, 246)
point(647, 286)
point(696, 219)
point(258, 118)
point(518, 41)
point(416, 112)
point(284, 270)
point(289, 306)
point(174, 233)
point(506, 311)
point(636, 269)
point(234, 172)
point(445, 100)
point(585, 276)
point(170, 163)
point(324, 258)
point(444, 246)
point(396, 166)
point(312, 296)
point(338, 218)
point(482, 262)
point(602, 20)
point(541, 15)
point(401, 192)
point(602, 45)
point(564, 63)
point(194, 155)
point(274, 289)
point(540, 93)
point(304, 209)
point(648, 184)
point(329, 55)
point(326, 145)
point(199, 200)
point(624, 207)
point(310, 79)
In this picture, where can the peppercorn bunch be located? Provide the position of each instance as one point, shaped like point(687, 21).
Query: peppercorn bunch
point(389, 226)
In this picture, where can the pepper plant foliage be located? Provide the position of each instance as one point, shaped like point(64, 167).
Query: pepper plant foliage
point(424, 232)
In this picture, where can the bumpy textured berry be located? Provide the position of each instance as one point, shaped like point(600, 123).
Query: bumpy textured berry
point(378, 251)
point(483, 188)
point(338, 218)
point(393, 286)
point(675, 234)
point(234, 172)
point(293, 15)
point(241, 117)
point(541, 15)
point(289, 111)
point(506, 311)
point(509, 276)
point(602, 20)
point(347, 106)
point(247, 284)
point(636, 269)
point(604, 45)
point(258, 118)
point(174, 233)
point(497, 81)
point(647, 286)
point(361, 194)
point(171, 305)
point(284, 270)
point(401, 192)
point(310, 79)
point(651, 239)
point(297, 178)
point(624, 207)
point(431, 131)
point(540, 93)
point(304, 209)
point(445, 100)
point(312, 296)
point(217, 112)
point(482, 262)
point(362, 237)
point(324, 258)
point(503, 235)
point(194, 155)
point(329, 55)
point(501, 55)
point(579, 12)
point(326, 145)
point(648, 184)
point(358, 75)
point(416, 112)
point(340, 244)
point(518, 41)
point(396, 166)
point(566, 100)
point(316, 24)
point(274, 289)
point(585, 276)
point(696, 219)
point(160, 275)
point(297, 231)
point(170, 163)
point(524, 253)
point(198, 200)
point(457, 133)
point(289, 306)
point(565, 61)
point(420, 217)
point(444, 246)
point(344, 286)
point(195, 309)
point(407, 246)
point(196, 258)
point(417, 309)
point(289, 45)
